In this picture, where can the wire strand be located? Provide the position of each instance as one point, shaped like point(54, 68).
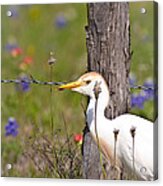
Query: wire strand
point(31, 81)
point(38, 82)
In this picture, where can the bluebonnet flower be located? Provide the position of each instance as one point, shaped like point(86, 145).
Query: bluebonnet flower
point(11, 128)
point(137, 101)
point(24, 86)
point(149, 93)
point(10, 46)
point(60, 21)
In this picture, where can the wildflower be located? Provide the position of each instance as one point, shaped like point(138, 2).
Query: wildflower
point(24, 86)
point(10, 46)
point(11, 127)
point(28, 60)
point(78, 138)
point(149, 93)
point(137, 101)
point(16, 52)
point(60, 21)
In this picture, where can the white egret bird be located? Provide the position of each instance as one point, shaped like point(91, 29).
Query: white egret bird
point(134, 146)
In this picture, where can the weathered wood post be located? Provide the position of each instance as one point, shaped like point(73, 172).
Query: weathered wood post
point(108, 47)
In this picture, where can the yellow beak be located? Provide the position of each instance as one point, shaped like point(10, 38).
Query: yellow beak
point(71, 85)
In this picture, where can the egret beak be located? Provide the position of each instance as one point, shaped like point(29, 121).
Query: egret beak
point(71, 85)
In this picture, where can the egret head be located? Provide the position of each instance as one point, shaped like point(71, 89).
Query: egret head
point(85, 84)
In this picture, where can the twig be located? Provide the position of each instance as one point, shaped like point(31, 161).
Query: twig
point(97, 91)
point(132, 131)
point(116, 132)
point(51, 62)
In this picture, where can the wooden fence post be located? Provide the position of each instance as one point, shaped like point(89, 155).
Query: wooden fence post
point(108, 47)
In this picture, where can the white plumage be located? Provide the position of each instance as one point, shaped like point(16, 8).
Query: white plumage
point(141, 151)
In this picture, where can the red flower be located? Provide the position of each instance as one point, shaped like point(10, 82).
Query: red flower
point(78, 138)
point(27, 60)
point(16, 52)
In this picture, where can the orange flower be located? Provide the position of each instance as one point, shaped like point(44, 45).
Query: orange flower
point(16, 52)
point(78, 138)
point(27, 60)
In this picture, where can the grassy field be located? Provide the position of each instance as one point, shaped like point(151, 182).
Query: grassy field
point(27, 38)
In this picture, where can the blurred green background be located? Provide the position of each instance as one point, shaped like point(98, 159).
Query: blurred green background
point(38, 29)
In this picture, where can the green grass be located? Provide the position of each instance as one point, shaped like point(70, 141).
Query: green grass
point(35, 32)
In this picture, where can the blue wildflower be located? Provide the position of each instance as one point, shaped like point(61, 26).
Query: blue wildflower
point(149, 93)
point(24, 86)
point(137, 101)
point(11, 127)
point(60, 21)
point(10, 46)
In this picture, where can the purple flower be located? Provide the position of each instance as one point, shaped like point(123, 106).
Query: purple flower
point(60, 21)
point(11, 128)
point(137, 101)
point(10, 46)
point(24, 86)
point(150, 92)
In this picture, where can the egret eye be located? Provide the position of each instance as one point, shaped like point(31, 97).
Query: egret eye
point(87, 82)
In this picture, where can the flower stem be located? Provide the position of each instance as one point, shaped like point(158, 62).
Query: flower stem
point(97, 91)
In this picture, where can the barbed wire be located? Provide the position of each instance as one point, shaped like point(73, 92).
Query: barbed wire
point(31, 81)
point(38, 82)
point(143, 87)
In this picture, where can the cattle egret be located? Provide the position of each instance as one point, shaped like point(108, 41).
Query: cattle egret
point(134, 135)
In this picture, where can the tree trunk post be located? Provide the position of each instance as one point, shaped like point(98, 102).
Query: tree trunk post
point(108, 47)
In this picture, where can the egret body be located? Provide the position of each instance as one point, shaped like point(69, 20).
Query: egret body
point(131, 129)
